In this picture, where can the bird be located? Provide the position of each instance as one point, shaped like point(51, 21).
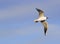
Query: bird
point(42, 18)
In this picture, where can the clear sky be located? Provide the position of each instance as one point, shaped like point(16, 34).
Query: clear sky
point(17, 24)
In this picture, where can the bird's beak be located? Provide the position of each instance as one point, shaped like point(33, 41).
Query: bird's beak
point(34, 20)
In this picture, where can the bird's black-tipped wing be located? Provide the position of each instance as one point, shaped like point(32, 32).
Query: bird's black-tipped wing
point(41, 13)
point(45, 24)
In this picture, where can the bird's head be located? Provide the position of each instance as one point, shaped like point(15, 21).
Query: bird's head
point(35, 21)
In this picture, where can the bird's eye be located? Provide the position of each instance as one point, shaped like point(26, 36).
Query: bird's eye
point(35, 21)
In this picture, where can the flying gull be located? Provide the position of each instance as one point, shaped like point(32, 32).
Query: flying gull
point(42, 19)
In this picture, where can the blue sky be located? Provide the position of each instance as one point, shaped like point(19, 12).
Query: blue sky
point(17, 24)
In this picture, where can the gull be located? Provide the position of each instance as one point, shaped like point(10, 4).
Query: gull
point(42, 19)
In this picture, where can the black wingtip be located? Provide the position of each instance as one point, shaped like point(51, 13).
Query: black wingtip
point(36, 8)
point(45, 31)
point(39, 10)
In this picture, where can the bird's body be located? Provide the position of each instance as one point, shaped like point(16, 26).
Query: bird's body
point(42, 19)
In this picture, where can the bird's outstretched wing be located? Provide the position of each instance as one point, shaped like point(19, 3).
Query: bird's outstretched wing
point(41, 13)
point(45, 24)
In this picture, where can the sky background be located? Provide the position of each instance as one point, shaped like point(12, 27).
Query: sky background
point(17, 24)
